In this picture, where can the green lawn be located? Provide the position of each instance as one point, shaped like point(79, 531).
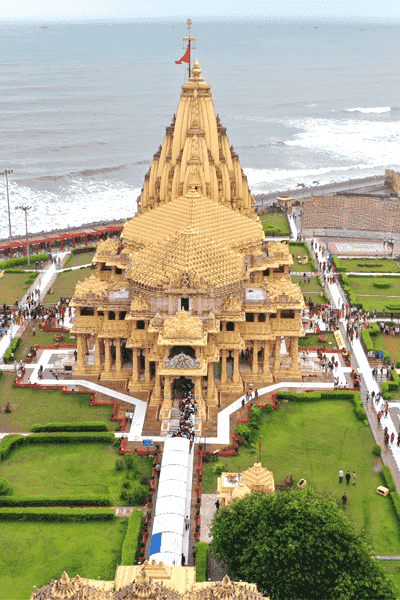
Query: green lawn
point(300, 249)
point(390, 343)
point(275, 222)
point(365, 285)
point(13, 286)
point(33, 553)
point(312, 341)
point(313, 441)
point(70, 469)
point(65, 284)
point(373, 297)
point(42, 338)
point(311, 290)
point(370, 265)
point(76, 260)
point(32, 406)
point(392, 567)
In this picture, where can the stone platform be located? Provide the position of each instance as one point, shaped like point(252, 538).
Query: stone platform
point(370, 249)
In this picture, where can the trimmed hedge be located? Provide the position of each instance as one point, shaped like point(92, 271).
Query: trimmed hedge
point(376, 450)
point(84, 426)
point(202, 550)
point(366, 336)
point(57, 514)
point(5, 487)
point(55, 501)
point(83, 250)
point(70, 438)
point(11, 441)
point(13, 346)
point(382, 285)
point(388, 479)
point(8, 443)
point(338, 264)
point(22, 260)
point(354, 397)
point(130, 547)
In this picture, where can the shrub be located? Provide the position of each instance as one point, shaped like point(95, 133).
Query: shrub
point(376, 450)
point(22, 260)
point(56, 514)
point(144, 481)
point(247, 432)
point(382, 284)
point(137, 495)
point(5, 487)
point(8, 443)
point(13, 346)
point(388, 479)
point(219, 469)
point(202, 549)
point(119, 465)
point(268, 408)
point(255, 417)
point(129, 460)
point(55, 501)
point(130, 547)
point(84, 426)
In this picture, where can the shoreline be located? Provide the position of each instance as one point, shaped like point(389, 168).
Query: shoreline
point(267, 198)
point(335, 186)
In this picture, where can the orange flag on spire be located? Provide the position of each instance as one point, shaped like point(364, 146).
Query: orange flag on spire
point(185, 58)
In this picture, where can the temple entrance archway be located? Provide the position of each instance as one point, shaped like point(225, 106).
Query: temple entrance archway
point(181, 386)
point(188, 350)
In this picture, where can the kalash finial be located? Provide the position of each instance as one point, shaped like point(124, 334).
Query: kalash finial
point(196, 71)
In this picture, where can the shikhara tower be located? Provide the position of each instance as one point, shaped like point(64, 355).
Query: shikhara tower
point(190, 295)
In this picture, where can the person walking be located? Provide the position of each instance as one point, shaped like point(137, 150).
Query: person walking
point(217, 505)
point(348, 477)
point(341, 472)
point(354, 478)
point(379, 417)
point(392, 438)
point(187, 522)
point(386, 411)
point(344, 499)
point(398, 439)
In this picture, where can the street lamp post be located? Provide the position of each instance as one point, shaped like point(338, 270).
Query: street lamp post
point(25, 209)
point(7, 172)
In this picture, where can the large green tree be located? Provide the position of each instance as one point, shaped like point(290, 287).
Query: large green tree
point(298, 545)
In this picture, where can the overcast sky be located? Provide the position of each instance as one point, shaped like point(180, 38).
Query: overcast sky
point(208, 9)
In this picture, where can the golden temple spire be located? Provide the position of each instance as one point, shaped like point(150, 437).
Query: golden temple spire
point(196, 152)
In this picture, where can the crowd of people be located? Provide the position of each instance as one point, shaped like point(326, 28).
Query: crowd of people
point(188, 410)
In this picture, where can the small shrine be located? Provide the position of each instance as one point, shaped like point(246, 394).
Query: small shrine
point(238, 485)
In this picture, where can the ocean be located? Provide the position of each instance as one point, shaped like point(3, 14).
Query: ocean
point(84, 107)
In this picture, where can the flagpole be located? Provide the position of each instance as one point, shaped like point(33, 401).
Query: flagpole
point(189, 40)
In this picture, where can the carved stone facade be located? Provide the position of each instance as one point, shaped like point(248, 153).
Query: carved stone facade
point(190, 289)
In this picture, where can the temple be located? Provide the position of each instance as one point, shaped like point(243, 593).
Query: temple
point(150, 582)
point(190, 296)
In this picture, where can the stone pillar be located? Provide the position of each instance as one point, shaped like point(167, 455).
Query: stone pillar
point(97, 361)
point(146, 365)
point(157, 388)
point(294, 353)
point(224, 378)
point(236, 374)
point(107, 355)
point(167, 392)
point(211, 396)
point(135, 366)
point(266, 359)
point(118, 355)
point(277, 361)
point(80, 363)
point(255, 357)
point(197, 389)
